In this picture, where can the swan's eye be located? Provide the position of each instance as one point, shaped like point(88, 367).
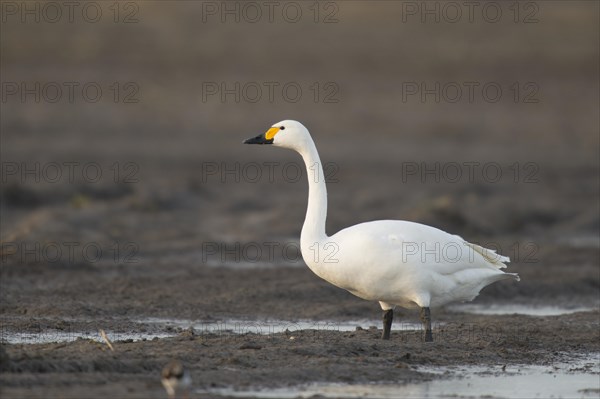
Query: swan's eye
point(282, 128)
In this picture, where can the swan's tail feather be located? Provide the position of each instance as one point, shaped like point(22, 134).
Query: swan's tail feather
point(491, 256)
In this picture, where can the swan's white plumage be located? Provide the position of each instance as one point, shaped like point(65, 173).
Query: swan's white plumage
point(394, 262)
point(407, 264)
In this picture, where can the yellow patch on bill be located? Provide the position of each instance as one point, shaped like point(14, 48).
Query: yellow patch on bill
point(271, 133)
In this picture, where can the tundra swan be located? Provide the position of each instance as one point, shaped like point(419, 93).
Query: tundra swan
point(394, 262)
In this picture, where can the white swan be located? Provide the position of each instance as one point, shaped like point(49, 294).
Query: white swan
point(391, 261)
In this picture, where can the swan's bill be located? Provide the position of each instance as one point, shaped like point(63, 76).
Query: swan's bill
point(266, 138)
point(258, 140)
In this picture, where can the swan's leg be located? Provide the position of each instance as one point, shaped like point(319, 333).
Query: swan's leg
point(426, 320)
point(388, 316)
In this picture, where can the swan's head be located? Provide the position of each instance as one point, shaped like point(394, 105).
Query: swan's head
point(286, 134)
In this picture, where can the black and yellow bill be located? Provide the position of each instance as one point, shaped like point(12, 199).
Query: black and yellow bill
point(266, 138)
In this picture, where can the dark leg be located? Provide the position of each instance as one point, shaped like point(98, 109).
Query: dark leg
point(426, 320)
point(388, 316)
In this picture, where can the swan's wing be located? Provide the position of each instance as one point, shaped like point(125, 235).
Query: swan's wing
point(414, 245)
point(408, 263)
point(489, 255)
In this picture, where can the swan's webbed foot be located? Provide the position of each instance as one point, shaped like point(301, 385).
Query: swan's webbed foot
point(426, 320)
point(388, 317)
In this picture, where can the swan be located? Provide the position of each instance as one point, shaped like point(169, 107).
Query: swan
point(394, 262)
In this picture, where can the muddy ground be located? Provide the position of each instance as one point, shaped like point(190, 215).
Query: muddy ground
point(179, 226)
point(42, 300)
point(85, 369)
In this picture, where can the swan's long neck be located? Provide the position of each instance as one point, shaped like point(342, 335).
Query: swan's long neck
point(313, 229)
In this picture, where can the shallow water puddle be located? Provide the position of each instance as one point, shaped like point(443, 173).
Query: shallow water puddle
point(263, 327)
point(51, 336)
point(165, 328)
point(580, 379)
point(518, 309)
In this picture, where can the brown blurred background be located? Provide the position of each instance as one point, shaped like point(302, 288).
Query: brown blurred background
point(154, 174)
point(167, 131)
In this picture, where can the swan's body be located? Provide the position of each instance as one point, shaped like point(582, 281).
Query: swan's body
point(406, 264)
point(394, 262)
